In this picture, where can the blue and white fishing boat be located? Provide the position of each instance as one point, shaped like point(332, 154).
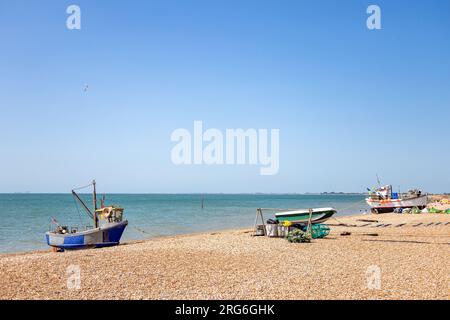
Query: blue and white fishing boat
point(107, 230)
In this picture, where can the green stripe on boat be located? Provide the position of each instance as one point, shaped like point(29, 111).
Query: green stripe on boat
point(319, 215)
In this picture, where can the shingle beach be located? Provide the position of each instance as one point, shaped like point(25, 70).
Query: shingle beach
point(409, 258)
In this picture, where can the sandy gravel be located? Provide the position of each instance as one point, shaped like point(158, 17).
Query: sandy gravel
point(413, 261)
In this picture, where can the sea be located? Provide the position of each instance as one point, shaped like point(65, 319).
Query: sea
point(26, 217)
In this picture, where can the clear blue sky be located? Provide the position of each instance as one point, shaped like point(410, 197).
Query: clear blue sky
point(349, 102)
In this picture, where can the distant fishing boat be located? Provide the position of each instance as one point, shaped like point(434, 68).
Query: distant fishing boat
point(107, 231)
point(318, 215)
point(383, 199)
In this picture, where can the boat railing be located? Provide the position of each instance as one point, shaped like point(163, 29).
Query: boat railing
point(69, 229)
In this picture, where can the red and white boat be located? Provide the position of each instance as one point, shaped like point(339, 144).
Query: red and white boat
point(384, 200)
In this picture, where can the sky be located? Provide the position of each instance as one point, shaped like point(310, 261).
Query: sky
point(349, 102)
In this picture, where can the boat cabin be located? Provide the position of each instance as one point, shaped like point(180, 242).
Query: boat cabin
point(385, 193)
point(109, 214)
point(382, 193)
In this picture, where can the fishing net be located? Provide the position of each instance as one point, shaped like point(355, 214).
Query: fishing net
point(298, 236)
point(416, 210)
point(434, 210)
point(319, 231)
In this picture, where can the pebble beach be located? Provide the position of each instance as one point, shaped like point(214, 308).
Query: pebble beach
point(408, 253)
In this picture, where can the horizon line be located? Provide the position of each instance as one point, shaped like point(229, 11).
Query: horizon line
point(202, 193)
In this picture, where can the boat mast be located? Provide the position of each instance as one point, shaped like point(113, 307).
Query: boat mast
point(378, 180)
point(94, 198)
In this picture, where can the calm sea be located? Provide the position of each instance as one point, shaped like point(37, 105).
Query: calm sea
point(26, 217)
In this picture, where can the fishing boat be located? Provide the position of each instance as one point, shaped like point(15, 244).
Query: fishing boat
point(318, 215)
point(382, 199)
point(107, 230)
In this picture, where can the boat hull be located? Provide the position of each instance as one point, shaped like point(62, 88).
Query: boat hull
point(391, 204)
point(319, 215)
point(105, 236)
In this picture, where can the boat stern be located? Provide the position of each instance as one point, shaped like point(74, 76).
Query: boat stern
point(65, 241)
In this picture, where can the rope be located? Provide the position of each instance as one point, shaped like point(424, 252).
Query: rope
point(278, 209)
point(345, 208)
point(78, 209)
point(406, 235)
point(141, 230)
point(338, 220)
point(353, 204)
point(84, 187)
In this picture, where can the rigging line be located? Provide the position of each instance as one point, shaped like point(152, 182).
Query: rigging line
point(75, 195)
point(78, 209)
point(84, 187)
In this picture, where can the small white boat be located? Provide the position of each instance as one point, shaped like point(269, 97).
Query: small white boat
point(318, 215)
point(384, 200)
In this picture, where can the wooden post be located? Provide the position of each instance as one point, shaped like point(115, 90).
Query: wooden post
point(309, 222)
point(263, 223)
point(94, 196)
point(256, 221)
point(259, 214)
point(94, 199)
